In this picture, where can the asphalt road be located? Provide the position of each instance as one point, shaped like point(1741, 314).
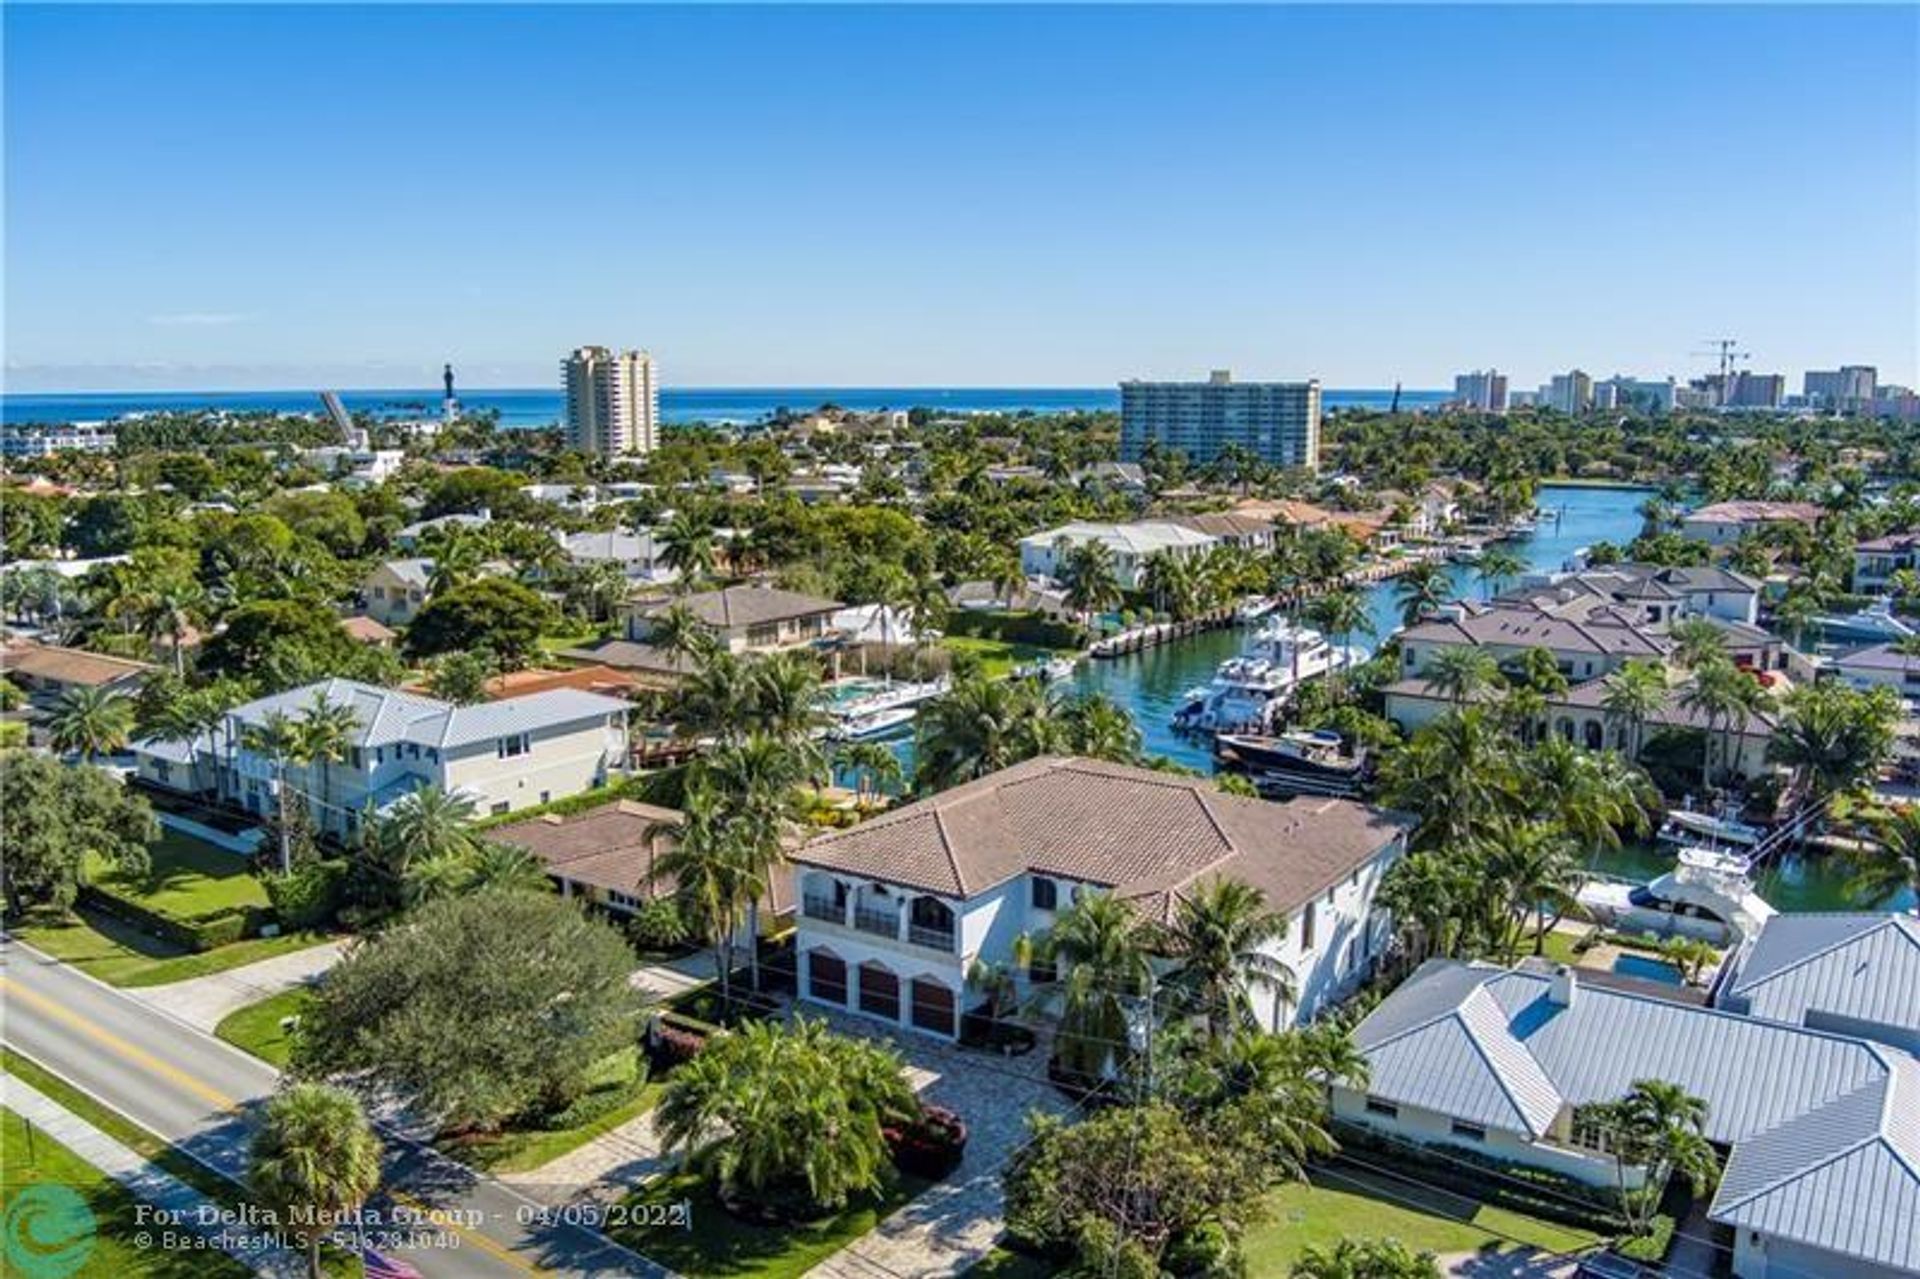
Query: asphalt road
point(201, 1094)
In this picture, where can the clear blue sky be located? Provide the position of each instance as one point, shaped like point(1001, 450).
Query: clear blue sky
point(246, 197)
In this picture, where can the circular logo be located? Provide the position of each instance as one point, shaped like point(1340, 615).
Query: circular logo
point(49, 1231)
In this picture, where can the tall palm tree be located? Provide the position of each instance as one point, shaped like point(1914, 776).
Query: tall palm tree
point(1425, 893)
point(1632, 695)
point(169, 610)
point(1340, 613)
point(979, 726)
point(1221, 938)
point(754, 784)
point(1728, 698)
point(1534, 862)
point(686, 546)
point(1697, 641)
point(873, 767)
point(326, 732)
point(1497, 565)
point(314, 1155)
point(1422, 592)
point(707, 864)
point(91, 722)
point(1461, 674)
point(1092, 584)
point(1100, 945)
point(427, 825)
point(1007, 577)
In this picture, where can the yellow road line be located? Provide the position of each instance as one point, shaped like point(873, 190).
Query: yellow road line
point(222, 1101)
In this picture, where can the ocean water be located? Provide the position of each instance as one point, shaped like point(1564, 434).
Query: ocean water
point(538, 406)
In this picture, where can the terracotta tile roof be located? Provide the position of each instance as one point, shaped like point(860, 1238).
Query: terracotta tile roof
point(367, 630)
point(1145, 835)
point(593, 679)
point(613, 848)
point(631, 656)
point(68, 665)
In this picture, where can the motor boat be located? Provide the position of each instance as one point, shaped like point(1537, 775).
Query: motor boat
point(1304, 762)
point(1708, 894)
point(1246, 689)
point(1051, 671)
point(1252, 610)
point(1874, 624)
point(1466, 553)
point(872, 724)
point(1684, 826)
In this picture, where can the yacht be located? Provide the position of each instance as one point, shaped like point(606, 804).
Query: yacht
point(1303, 762)
point(1050, 671)
point(1874, 624)
point(1246, 689)
point(884, 722)
point(1684, 826)
point(1708, 894)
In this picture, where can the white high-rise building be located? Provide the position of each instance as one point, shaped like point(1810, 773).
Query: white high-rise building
point(1483, 390)
point(1277, 422)
point(1570, 393)
point(613, 401)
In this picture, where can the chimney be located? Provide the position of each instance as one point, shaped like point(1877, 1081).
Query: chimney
point(1560, 989)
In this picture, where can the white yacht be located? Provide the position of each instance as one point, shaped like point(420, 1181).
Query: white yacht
point(1684, 826)
point(1874, 624)
point(1708, 894)
point(873, 724)
point(1246, 689)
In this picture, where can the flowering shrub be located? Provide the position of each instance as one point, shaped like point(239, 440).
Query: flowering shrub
point(931, 1146)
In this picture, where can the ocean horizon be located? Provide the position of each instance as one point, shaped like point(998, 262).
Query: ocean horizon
point(528, 407)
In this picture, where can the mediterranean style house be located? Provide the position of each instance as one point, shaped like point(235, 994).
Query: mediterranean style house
point(895, 912)
point(1725, 523)
point(503, 755)
point(742, 619)
point(1806, 1065)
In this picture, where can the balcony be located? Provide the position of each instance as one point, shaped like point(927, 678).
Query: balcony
point(815, 906)
point(931, 937)
point(881, 923)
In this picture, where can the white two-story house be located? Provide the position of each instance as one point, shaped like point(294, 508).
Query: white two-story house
point(895, 912)
point(502, 755)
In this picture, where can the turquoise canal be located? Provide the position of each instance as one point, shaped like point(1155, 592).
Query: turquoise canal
point(1149, 685)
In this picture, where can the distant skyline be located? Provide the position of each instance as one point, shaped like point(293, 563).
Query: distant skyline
point(235, 197)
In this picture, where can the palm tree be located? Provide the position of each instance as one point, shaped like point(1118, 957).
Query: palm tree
point(753, 784)
point(1461, 674)
point(979, 726)
point(1535, 863)
point(506, 867)
point(1697, 641)
point(326, 735)
point(1634, 694)
point(1659, 1127)
point(169, 610)
point(1497, 565)
point(1092, 584)
point(1894, 867)
point(91, 722)
point(314, 1156)
point(1099, 943)
point(457, 554)
point(280, 740)
point(708, 866)
point(1422, 592)
point(1357, 1258)
point(1221, 939)
point(785, 691)
point(429, 825)
point(686, 546)
point(873, 767)
point(677, 632)
point(1007, 576)
point(1093, 725)
point(1340, 613)
point(1833, 737)
point(1425, 892)
point(1727, 697)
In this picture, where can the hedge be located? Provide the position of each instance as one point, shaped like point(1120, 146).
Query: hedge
point(206, 933)
point(663, 787)
point(1016, 628)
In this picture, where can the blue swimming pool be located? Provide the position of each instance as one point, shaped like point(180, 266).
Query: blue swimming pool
point(1647, 969)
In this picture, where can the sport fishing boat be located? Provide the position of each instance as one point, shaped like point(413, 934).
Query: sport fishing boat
point(1874, 624)
point(1303, 762)
point(1245, 690)
point(1708, 894)
point(1685, 826)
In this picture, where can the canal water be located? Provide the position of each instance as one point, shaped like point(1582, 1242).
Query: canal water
point(1149, 685)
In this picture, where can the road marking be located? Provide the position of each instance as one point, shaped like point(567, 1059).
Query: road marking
point(132, 1052)
point(223, 1102)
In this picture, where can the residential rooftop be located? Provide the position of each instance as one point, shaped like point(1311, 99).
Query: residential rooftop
point(735, 606)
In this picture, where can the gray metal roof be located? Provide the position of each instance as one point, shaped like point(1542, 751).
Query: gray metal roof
point(1825, 1129)
point(384, 716)
point(1861, 966)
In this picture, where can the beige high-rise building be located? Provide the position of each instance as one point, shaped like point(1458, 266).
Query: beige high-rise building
point(613, 401)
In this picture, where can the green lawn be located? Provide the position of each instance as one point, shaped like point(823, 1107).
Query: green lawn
point(256, 1028)
point(114, 1251)
point(998, 657)
point(525, 1149)
point(551, 644)
point(121, 955)
point(187, 879)
point(713, 1242)
point(1343, 1202)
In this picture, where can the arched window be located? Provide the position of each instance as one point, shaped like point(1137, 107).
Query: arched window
point(1565, 726)
point(1595, 735)
point(933, 1006)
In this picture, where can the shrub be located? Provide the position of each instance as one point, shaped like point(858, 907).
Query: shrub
point(310, 896)
point(1016, 628)
point(673, 1040)
point(659, 924)
point(1207, 1251)
point(1652, 1246)
point(931, 1146)
point(204, 933)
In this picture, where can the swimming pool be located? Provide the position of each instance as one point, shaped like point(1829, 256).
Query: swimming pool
point(1648, 969)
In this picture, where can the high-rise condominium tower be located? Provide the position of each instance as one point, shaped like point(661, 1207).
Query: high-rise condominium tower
point(613, 401)
point(1277, 422)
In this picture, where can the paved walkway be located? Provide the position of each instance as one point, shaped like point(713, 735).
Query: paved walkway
point(146, 1181)
point(950, 1227)
point(674, 977)
point(1517, 1263)
point(202, 1002)
point(603, 1170)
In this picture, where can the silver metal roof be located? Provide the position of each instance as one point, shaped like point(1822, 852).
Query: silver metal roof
point(1861, 966)
point(1825, 1129)
point(385, 716)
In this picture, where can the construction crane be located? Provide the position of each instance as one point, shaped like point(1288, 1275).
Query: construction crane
point(1727, 352)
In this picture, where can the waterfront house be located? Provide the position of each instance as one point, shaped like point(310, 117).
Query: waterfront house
point(1488, 1064)
point(896, 911)
point(1852, 973)
point(1586, 641)
point(1876, 561)
point(1045, 554)
point(1655, 594)
point(502, 755)
point(1881, 665)
point(1725, 523)
point(1246, 532)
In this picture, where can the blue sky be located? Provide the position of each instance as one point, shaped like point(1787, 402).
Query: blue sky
point(245, 197)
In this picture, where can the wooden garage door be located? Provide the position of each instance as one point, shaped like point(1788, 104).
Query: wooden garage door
point(827, 977)
point(879, 991)
point(932, 1006)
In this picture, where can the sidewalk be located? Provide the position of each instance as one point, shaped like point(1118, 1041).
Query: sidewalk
point(202, 1002)
point(145, 1181)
